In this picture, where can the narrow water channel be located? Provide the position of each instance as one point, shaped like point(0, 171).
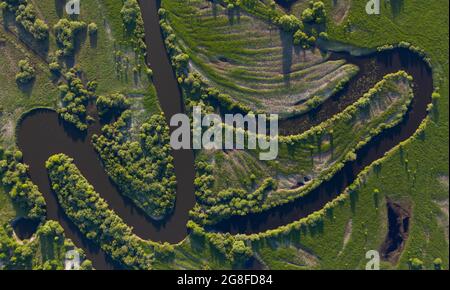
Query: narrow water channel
point(42, 134)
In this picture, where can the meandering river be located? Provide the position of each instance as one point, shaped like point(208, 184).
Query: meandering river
point(42, 134)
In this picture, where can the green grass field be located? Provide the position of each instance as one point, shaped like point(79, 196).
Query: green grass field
point(254, 62)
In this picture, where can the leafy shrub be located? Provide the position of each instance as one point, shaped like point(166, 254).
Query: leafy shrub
point(289, 23)
point(65, 31)
point(92, 28)
point(75, 96)
point(26, 17)
point(26, 72)
point(112, 104)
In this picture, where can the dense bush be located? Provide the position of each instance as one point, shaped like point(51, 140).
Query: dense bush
point(143, 169)
point(13, 255)
point(65, 32)
point(315, 13)
point(75, 97)
point(26, 72)
point(134, 24)
point(14, 177)
point(27, 18)
point(112, 104)
point(90, 213)
point(289, 23)
point(46, 251)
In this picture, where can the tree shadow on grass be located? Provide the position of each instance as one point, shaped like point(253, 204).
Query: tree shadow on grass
point(59, 7)
point(39, 47)
point(396, 7)
point(288, 48)
point(79, 40)
point(26, 88)
point(93, 38)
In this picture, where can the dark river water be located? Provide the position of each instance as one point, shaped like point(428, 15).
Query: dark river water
point(42, 134)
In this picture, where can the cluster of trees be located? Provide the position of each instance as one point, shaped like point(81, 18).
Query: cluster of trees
point(90, 213)
point(65, 32)
point(51, 236)
point(302, 39)
point(213, 207)
point(26, 73)
point(46, 252)
point(289, 23)
point(113, 104)
point(75, 97)
point(315, 13)
point(233, 248)
point(13, 255)
point(14, 177)
point(143, 170)
point(134, 24)
point(27, 18)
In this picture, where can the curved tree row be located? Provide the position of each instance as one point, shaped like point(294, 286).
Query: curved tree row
point(90, 213)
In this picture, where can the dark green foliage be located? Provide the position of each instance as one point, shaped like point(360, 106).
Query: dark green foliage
point(112, 104)
point(65, 32)
point(132, 20)
point(75, 97)
point(27, 18)
point(14, 177)
point(142, 169)
point(90, 213)
point(289, 23)
point(15, 256)
point(26, 72)
point(315, 13)
point(46, 251)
